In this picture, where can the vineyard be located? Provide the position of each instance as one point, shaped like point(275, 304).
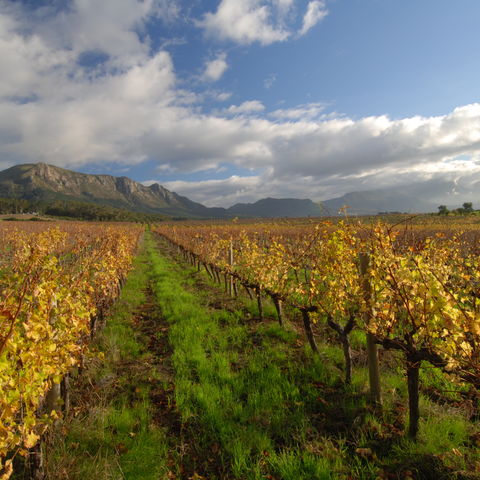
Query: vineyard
point(56, 284)
point(409, 291)
point(403, 298)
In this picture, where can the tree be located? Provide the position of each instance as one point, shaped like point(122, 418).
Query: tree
point(467, 207)
point(442, 210)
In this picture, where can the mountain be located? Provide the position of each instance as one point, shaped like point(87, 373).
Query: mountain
point(375, 201)
point(358, 203)
point(47, 183)
point(277, 207)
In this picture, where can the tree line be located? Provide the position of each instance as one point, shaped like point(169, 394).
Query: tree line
point(465, 209)
point(75, 210)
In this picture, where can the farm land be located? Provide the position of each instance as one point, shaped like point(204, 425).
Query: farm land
point(286, 349)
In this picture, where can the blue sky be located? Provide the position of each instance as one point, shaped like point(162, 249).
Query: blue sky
point(229, 101)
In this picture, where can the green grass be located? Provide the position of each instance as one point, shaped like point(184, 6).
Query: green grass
point(237, 386)
point(114, 436)
point(253, 399)
point(296, 464)
point(266, 400)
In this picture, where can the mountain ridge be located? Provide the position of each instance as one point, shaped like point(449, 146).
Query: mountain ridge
point(45, 182)
point(49, 183)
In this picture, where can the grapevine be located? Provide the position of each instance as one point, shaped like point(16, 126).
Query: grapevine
point(419, 294)
point(53, 282)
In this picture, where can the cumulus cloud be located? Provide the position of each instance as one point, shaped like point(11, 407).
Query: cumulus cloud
point(263, 21)
point(133, 109)
point(450, 185)
point(426, 156)
point(53, 111)
point(225, 192)
point(316, 11)
point(248, 21)
point(112, 29)
point(223, 96)
point(214, 69)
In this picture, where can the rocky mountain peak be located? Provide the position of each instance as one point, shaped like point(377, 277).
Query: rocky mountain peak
point(127, 185)
point(47, 182)
point(43, 170)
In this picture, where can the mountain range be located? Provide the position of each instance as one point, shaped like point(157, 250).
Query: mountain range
point(48, 183)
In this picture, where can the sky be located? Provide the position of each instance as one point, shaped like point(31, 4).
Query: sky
point(229, 101)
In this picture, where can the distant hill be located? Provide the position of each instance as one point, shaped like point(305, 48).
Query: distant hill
point(358, 203)
point(375, 201)
point(277, 207)
point(46, 183)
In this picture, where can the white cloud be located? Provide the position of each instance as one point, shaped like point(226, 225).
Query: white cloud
point(225, 192)
point(223, 96)
point(24, 60)
point(328, 158)
point(250, 106)
point(284, 5)
point(433, 183)
point(316, 11)
point(148, 81)
point(262, 21)
point(214, 69)
point(215, 95)
point(308, 111)
point(246, 22)
point(109, 26)
point(52, 110)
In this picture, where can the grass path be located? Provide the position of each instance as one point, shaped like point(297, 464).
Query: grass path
point(236, 386)
point(114, 432)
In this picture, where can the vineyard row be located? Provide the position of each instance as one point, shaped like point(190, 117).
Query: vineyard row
point(55, 287)
point(420, 298)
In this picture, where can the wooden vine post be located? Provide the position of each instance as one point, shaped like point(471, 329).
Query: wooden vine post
point(52, 399)
point(65, 393)
point(258, 294)
point(231, 288)
point(372, 349)
point(413, 370)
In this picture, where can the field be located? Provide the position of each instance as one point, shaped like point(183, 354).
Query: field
point(242, 350)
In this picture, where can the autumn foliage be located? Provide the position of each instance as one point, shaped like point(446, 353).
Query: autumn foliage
point(54, 282)
point(420, 294)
